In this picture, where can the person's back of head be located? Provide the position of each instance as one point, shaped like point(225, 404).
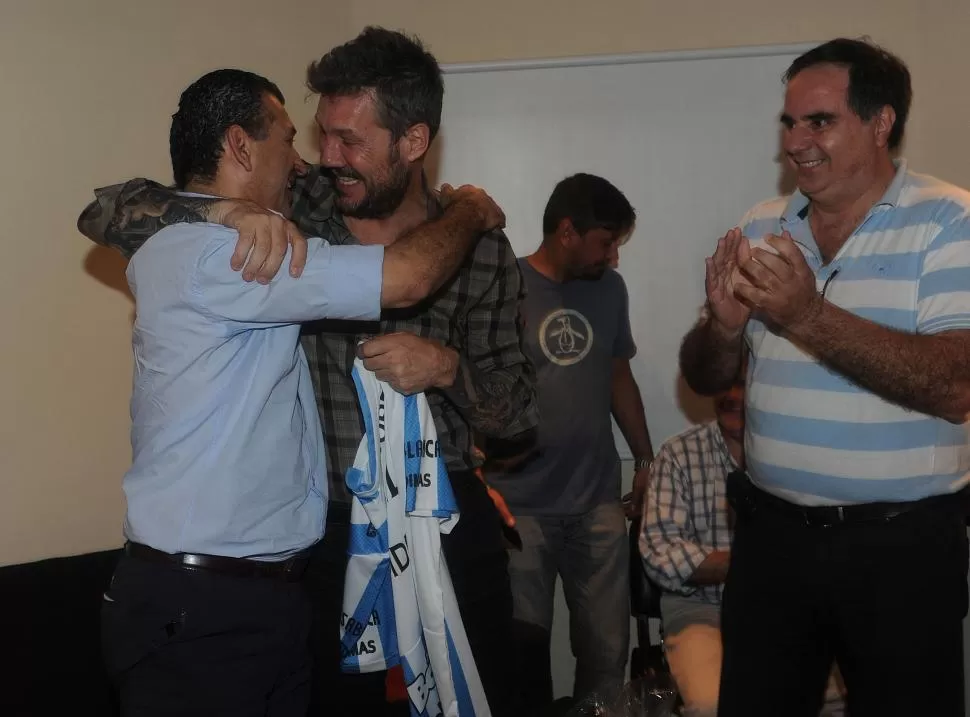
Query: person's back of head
point(231, 129)
point(877, 79)
point(403, 76)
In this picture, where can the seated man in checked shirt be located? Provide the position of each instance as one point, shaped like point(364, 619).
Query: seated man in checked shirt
point(685, 543)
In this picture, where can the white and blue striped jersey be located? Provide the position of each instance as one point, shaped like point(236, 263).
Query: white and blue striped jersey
point(398, 597)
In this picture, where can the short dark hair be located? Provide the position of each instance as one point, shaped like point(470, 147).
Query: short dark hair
point(404, 77)
point(876, 78)
point(588, 202)
point(207, 108)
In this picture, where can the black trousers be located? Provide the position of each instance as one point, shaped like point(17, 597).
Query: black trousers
point(180, 642)
point(478, 566)
point(884, 598)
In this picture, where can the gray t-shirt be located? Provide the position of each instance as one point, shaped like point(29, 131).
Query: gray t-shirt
point(572, 332)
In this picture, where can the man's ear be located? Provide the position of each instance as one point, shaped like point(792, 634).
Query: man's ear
point(237, 146)
point(415, 142)
point(883, 123)
point(566, 232)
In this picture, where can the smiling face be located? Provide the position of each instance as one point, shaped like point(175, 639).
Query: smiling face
point(369, 170)
point(832, 151)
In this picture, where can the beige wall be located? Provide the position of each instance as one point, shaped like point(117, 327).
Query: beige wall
point(88, 89)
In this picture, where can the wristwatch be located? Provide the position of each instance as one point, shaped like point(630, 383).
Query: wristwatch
point(640, 463)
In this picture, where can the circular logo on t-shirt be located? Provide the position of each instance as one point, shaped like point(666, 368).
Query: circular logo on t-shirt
point(565, 337)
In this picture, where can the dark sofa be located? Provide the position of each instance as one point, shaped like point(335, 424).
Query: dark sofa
point(49, 635)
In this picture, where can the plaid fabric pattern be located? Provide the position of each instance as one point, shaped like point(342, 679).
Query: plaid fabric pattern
point(685, 515)
point(476, 314)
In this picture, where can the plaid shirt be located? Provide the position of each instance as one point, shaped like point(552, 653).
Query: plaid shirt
point(476, 314)
point(685, 514)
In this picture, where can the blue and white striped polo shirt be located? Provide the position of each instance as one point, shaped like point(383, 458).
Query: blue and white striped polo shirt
point(812, 436)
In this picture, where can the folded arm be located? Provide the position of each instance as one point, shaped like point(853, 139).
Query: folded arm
point(338, 282)
point(927, 370)
point(929, 374)
point(125, 216)
point(425, 258)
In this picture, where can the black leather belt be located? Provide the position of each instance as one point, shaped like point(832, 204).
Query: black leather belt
point(747, 499)
point(289, 570)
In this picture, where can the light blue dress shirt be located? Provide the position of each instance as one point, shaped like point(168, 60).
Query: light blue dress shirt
point(228, 453)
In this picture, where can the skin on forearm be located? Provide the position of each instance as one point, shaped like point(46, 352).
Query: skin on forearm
point(925, 373)
point(422, 260)
point(628, 410)
point(713, 570)
point(449, 363)
point(710, 357)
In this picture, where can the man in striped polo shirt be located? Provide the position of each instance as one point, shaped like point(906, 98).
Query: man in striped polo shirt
point(852, 299)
